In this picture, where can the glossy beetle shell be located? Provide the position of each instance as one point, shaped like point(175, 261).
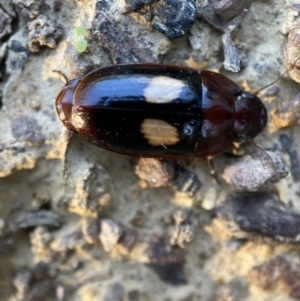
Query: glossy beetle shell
point(152, 110)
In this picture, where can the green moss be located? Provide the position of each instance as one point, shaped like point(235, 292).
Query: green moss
point(80, 31)
point(81, 45)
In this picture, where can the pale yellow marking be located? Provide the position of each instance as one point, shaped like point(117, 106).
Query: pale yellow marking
point(163, 89)
point(78, 120)
point(159, 132)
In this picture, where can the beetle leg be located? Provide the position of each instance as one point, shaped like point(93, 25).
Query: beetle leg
point(212, 169)
point(211, 166)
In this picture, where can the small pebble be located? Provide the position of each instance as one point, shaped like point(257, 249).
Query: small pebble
point(156, 172)
point(110, 234)
point(255, 172)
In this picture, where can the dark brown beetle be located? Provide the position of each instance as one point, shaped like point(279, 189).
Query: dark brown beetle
point(165, 111)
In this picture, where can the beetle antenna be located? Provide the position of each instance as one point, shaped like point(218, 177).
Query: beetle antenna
point(262, 150)
point(62, 74)
point(280, 77)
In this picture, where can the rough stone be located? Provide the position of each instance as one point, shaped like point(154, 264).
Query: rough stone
point(157, 173)
point(29, 8)
point(42, 32)
point(278, 275)
point(256, 172)
point(110, 234)
point(27, 219)
point(259, 213)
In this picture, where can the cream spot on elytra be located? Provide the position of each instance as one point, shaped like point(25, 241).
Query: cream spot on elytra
point(163, 89)
point(79, 118)
point(159, 132)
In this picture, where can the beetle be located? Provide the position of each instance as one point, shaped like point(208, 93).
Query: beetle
point(162, 111)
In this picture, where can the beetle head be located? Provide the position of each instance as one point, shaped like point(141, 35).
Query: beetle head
point(250, 117)
point(64, 103)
